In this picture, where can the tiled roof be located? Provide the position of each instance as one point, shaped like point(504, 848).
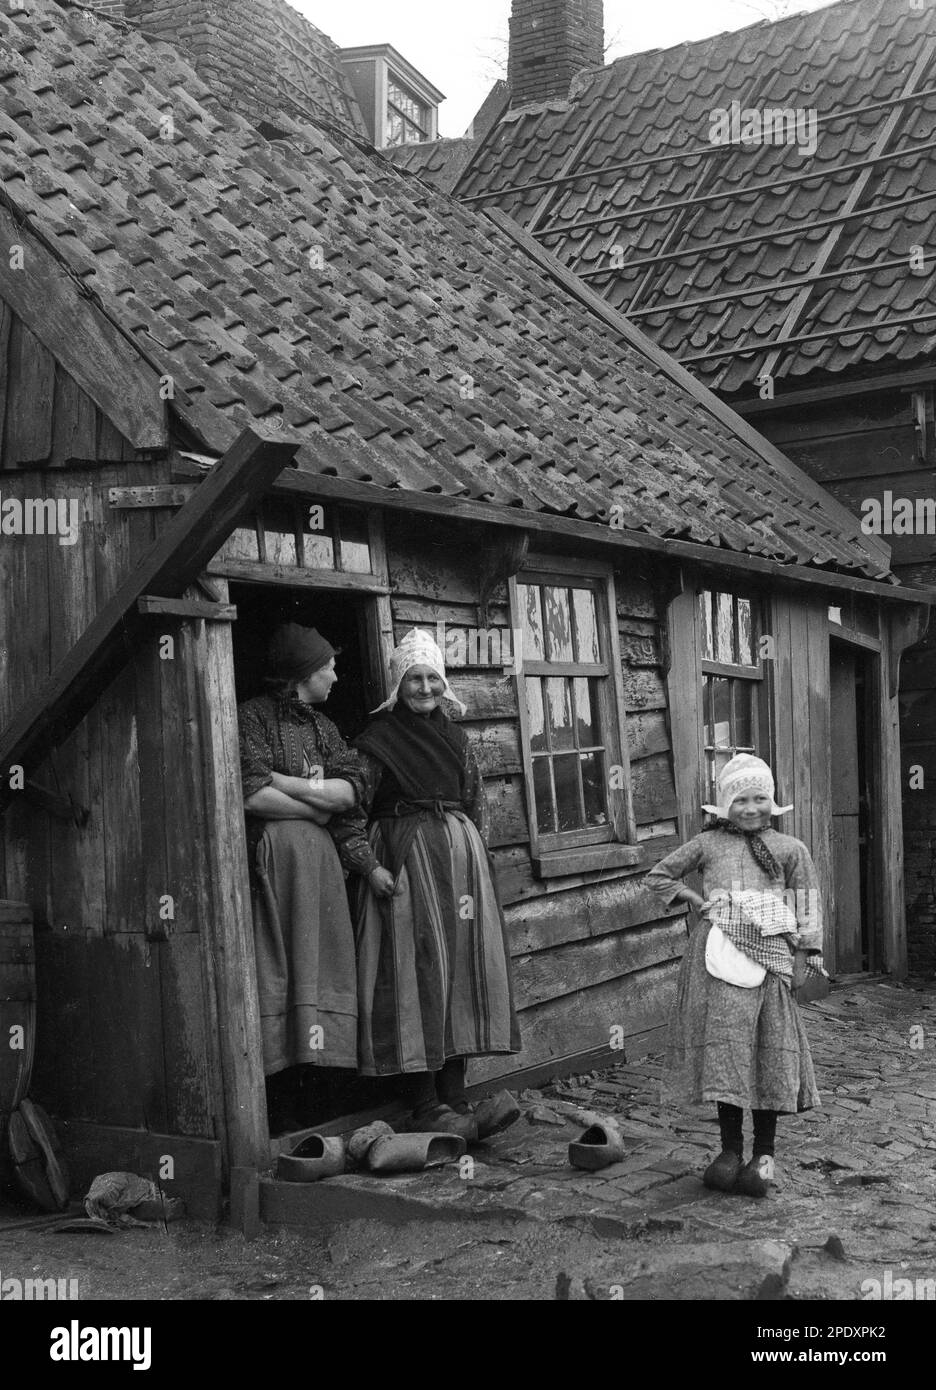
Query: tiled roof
point(440, 161)
point(641, 128)
point(428, 354)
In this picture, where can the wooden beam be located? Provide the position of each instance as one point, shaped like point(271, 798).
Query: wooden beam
point(163, 495)
point(109, 368)
point(593, 533)
point(188, 608)
point(756, 238)
point(234, 485)
point(227, 937)
point(732, 192)
point(855, 194)
point(678, 156)
point(835, 391)
point(818, 335)
point(626, 331)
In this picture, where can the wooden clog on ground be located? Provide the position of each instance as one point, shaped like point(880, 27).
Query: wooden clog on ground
point(314, 1158)
point(599, 1147)
point(411, 1153)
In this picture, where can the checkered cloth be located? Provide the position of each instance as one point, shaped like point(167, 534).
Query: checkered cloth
point(762, 926)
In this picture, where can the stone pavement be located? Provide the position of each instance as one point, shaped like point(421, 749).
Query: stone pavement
point(856, 1191)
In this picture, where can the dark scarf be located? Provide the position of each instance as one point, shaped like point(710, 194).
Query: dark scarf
point(762, 855)
point(425, 755)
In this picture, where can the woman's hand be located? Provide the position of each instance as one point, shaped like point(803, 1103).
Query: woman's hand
point(702, 906)
point(383, 883)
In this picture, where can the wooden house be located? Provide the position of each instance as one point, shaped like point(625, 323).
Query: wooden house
point(242, 379)
point(761, 203)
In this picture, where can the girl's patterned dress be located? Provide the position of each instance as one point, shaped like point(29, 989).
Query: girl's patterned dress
point(744, 1047)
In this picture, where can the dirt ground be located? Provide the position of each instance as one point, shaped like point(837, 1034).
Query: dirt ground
point(856, 1201)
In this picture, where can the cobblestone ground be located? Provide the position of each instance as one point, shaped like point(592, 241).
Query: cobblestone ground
point(854, 1209)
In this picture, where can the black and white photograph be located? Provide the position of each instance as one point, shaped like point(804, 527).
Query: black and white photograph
point(467, 680)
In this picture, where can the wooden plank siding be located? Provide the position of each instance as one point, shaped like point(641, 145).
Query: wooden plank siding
point(859, 448)
point(123, 1023)
point(590, 950)
point(800, 704)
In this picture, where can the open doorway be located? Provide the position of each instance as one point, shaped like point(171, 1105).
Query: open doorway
point(851, 680)
point(341, 617)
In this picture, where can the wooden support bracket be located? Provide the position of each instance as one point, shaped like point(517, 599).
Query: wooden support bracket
point(503, 556)
point(158, 495)
point(187, 608)
point(907, 626)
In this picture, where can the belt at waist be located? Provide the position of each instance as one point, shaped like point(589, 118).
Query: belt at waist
point(428, 806)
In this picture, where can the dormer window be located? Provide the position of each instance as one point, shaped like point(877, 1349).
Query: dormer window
point(408, 119)
point(398, 105)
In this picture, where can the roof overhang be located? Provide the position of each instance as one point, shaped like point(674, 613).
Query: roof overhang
point(306, 483)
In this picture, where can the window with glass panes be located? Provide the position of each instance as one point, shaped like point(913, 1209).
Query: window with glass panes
point(407, 117)
point(571, 725)
point(733, 695)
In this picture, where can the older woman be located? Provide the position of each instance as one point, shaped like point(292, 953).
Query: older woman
point(297, 772)
point(434, 983)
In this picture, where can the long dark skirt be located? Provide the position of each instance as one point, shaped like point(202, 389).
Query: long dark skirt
point(745, 1047)
point(433, 965)
point(305, 949)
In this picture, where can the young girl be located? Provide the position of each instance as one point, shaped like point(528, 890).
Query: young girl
point(743, 1046)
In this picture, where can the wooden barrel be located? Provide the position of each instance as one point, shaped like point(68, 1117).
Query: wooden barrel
point(17, 1010)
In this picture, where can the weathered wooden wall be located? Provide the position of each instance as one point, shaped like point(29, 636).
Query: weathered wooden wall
point(859, 448)
point(124, 1012)
point(593, 951)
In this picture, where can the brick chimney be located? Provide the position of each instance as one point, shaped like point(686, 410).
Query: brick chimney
point(550, 41)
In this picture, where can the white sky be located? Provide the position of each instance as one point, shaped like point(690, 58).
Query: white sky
point(461, 45)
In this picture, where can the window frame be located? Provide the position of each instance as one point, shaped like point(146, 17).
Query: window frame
point(759, 676)
point(555, 853)
point(423, 133)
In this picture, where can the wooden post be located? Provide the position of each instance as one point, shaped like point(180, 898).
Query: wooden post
point(227, 938)
point(684, 693)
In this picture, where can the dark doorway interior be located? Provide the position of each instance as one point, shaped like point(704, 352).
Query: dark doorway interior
point(341, 618)
point(852, 857)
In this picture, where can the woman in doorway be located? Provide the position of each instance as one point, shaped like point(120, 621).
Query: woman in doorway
point(297, 773)
point(434, 983)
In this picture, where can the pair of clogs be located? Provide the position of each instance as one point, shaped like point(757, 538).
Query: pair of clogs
point(375, 1147)
point(729, 1173)
point(490, 1116)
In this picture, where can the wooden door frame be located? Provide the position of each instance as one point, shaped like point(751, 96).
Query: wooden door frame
point(870, 730)
point(232, 968)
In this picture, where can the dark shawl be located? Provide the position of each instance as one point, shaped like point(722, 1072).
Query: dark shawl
point(425, 760)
